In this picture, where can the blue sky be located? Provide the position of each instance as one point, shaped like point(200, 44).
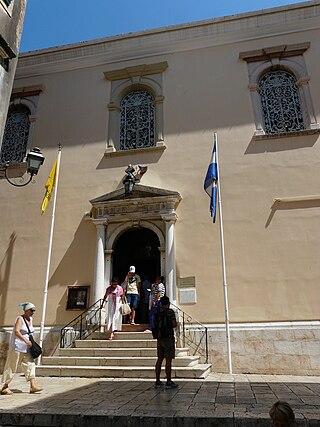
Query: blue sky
point(56, 22)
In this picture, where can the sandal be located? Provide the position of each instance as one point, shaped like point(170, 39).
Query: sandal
point(35, 390)
point(6, 391)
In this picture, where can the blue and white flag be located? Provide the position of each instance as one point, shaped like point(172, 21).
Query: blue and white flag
point(210, 183)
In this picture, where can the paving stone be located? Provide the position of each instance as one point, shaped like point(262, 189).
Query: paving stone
point(81, 402)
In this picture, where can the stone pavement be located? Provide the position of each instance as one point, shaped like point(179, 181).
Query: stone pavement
point(219, 400)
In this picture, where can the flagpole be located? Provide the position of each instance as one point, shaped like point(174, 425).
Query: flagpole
point(224, 275)
point(45, 291)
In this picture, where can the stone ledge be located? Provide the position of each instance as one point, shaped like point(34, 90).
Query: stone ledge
point(303, 132)
point(110, 153)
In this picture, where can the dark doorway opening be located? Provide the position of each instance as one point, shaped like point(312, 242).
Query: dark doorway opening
point(139, 247)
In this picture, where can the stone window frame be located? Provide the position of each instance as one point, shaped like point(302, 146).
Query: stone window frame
point(7, 4)
point(288, 58)
point(123, 81)
point(29, 98)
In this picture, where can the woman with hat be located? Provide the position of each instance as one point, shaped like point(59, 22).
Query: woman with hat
point(18, 353)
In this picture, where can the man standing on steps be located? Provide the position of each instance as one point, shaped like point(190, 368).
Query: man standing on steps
point(132, 283)
point(162, 330)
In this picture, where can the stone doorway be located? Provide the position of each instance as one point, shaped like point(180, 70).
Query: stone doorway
point(137, 246)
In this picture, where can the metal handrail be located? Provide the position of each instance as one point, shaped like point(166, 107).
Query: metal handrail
point(192, 333)
point(82, 326)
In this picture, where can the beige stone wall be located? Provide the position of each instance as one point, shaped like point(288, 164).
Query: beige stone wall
point(272, 251)
point(288, 351)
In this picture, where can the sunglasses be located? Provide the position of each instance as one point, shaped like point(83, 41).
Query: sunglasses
point(33, 310)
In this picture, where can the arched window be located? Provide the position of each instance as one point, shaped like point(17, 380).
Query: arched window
point(137, 120)
point(280, 101)
point(16, 134)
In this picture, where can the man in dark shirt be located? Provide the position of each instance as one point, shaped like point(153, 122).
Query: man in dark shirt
point(163, 329)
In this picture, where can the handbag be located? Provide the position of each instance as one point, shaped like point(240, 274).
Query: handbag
point(35, 349)
point(125, 308)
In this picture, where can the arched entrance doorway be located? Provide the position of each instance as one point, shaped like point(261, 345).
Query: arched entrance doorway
point(137, 246)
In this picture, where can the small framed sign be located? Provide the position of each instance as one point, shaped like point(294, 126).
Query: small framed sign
point(78, 297)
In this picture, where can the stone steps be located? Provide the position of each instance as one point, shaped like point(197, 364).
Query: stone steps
point(115, 361)
point(132, 354)
point(116, 352)
point(197, 371)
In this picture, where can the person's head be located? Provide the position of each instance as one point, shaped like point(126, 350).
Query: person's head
point(165, 302)
point(158, 280)
point(132, 270)
point(28, 308)
point(282, 415)
point(115, 282)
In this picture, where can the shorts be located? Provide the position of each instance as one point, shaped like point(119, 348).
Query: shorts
point(132, 300)
point(166, 348)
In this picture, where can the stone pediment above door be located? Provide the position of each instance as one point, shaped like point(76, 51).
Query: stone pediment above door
point(144, 203)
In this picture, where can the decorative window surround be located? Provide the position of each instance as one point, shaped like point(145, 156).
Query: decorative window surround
point(285, 57)
point(27, 97)
point(123, 81)
point(7, 6)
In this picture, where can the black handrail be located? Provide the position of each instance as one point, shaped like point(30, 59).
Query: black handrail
point(192, 333)
point(82, 326)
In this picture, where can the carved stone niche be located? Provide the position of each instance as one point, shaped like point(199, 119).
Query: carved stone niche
point(143, 203)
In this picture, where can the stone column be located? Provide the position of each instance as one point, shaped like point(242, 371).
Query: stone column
point(162, 251)
point(98, 284)
point(107, 267)
point(170, 220)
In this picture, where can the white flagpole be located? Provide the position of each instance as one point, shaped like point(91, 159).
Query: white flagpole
point(45, 291)
point(225, 287)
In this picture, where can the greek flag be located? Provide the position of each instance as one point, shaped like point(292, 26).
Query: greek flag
point(210, 183)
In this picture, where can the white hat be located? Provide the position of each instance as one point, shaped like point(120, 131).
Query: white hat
point(132, 269)
point(27, 306)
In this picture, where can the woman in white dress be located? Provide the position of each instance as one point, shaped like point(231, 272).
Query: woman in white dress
point(114, 296)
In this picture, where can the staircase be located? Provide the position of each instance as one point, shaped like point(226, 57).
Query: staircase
point(132, 354)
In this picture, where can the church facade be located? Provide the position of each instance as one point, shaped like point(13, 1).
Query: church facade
point(140, 110)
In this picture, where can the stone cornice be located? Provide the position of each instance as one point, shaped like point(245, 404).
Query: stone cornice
point(139, 70)
point(148, 206)
point(283, 51)
point(27, 91)
point(152, 43)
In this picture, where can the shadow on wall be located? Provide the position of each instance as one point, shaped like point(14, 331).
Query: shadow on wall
point(5, 268)
point(75, 268)
point(277, 143)
point(139, 157)
point(299, 204)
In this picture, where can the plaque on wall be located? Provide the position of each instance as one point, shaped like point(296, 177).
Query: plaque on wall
point(187, 282)
point(78, 297)
point(187, 296)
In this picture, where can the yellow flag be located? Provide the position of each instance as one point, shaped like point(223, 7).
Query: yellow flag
point(51, 182)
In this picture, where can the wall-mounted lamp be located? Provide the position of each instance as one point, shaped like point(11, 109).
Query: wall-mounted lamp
point(34, 160)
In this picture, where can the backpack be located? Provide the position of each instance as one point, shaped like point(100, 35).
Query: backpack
point(162, 325)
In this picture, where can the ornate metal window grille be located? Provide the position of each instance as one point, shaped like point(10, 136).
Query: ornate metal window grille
point(137, 121)
point(16, 134)
point(280, 102)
